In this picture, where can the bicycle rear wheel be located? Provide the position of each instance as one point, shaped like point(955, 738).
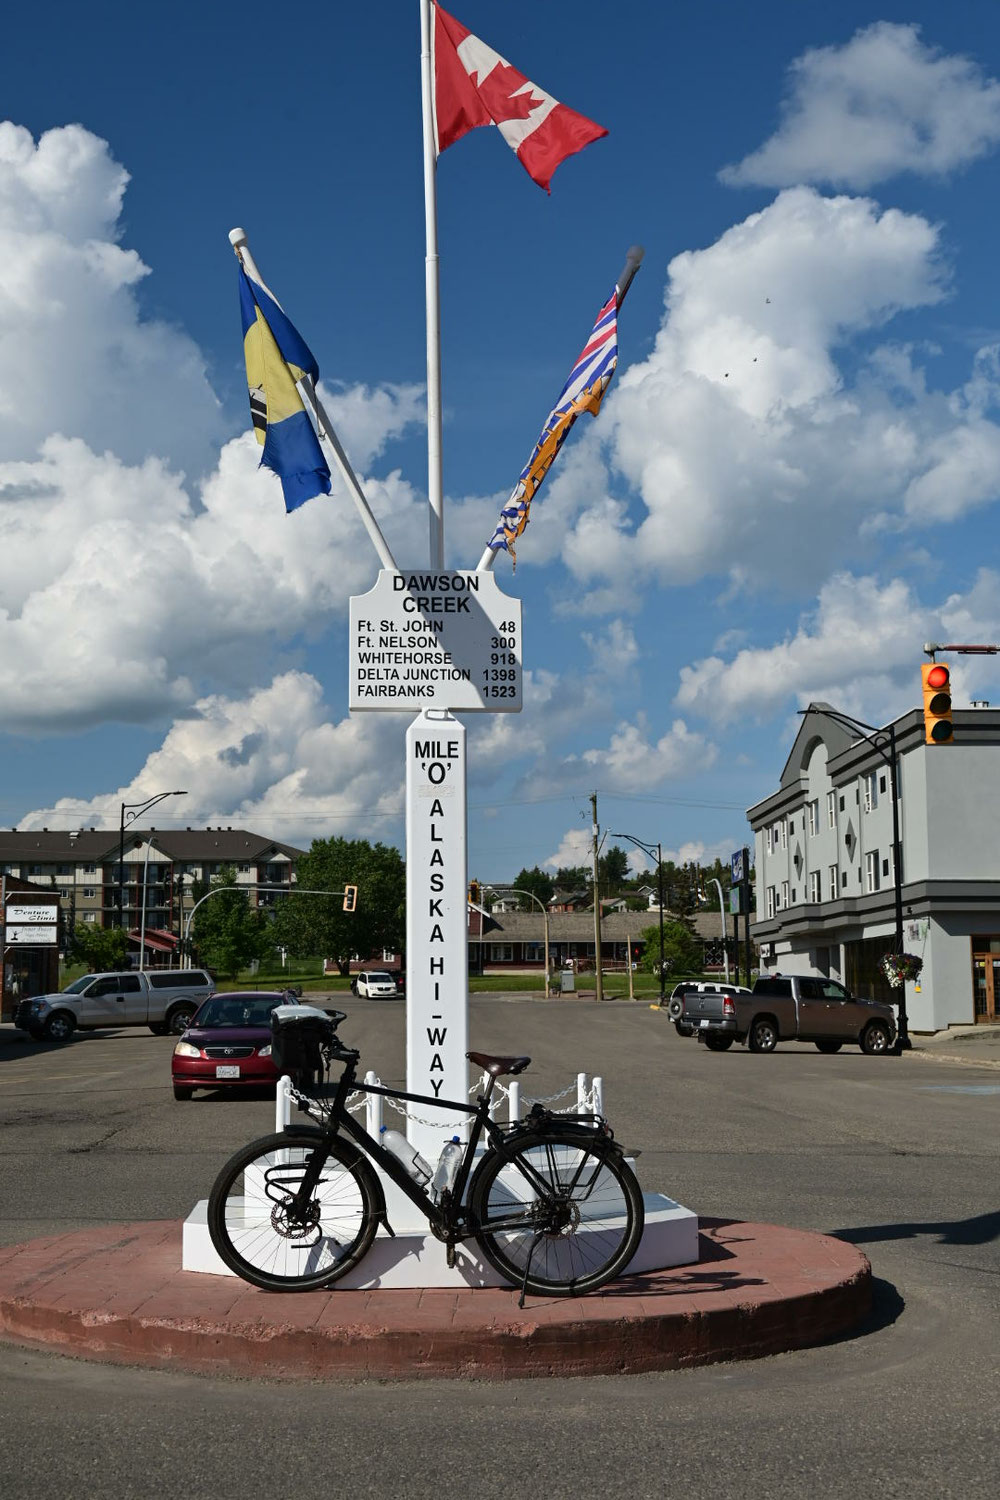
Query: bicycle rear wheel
point(565, 1209)
point(261, 1233)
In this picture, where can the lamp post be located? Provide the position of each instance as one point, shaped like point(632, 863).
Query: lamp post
point(134, 810)
point(649, 849)
point(888, 754)
point(514, 891)
point(722, 913)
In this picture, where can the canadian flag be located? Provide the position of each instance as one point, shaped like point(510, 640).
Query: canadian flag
point(473, 85)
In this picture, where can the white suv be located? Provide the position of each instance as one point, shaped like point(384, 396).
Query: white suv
point(374, 984)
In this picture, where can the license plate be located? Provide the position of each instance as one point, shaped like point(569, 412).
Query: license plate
point(227, 1070)
point(704, 1023)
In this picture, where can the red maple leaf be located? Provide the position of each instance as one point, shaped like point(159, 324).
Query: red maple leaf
point(498, 91)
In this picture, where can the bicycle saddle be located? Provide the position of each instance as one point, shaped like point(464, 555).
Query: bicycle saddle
point(498, 1065)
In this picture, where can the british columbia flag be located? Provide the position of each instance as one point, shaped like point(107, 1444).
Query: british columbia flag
point(583, 391)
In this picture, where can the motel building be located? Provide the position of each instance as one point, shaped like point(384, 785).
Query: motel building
point(825, 876)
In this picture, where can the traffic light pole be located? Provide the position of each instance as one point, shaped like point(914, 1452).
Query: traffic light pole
point(868, 732)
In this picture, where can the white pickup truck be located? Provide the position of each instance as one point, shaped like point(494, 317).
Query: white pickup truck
point(162, 999)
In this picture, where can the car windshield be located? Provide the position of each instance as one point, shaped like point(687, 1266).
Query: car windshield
point(377, 977)
point(79, 985)
point(237, 1010)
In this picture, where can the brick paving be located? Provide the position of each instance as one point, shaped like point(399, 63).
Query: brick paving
point(116, 1293)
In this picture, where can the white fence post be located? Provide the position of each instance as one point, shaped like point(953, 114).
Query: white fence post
point(581, 1093)
point(282, 1103)
point(598, 1096)
point(514, 1102)
point(374, 1107)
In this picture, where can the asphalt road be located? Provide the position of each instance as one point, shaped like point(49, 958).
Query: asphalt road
point(900, 1156)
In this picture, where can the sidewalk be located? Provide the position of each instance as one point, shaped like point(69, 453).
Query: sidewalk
point(972, 1046)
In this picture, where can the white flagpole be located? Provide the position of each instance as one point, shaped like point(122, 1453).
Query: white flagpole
point(434, 482)
point(324, 427)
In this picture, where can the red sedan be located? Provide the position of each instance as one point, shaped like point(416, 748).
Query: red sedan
point(228, 1043)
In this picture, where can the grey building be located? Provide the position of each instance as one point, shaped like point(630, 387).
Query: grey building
point(825, 875)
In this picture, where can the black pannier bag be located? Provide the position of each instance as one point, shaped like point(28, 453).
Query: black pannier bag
point(298, 1033)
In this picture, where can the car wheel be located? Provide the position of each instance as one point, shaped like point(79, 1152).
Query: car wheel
point(875, 1039)
point(763, 1035)
point(182, 1093)
point(179, 1019)
point(683, 1029)
point(828, 1046)
point(719, 1043)
point(59, 1028)
point(159, 1029)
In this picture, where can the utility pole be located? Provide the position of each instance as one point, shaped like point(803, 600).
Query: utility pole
point(595, 833)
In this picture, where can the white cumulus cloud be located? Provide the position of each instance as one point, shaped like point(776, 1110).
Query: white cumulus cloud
point(882, 104)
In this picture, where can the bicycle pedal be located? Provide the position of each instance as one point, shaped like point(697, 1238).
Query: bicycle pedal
point(450, 1257)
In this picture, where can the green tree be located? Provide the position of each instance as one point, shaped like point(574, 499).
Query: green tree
point(228, 932)
point(613, 870)
point(538, 883)
point(573, 877)
point(318, 925)
point(681, 949)
point(99, 948)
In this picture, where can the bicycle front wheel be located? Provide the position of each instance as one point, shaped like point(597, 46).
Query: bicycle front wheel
point(562, 1216)
point(265, 1231)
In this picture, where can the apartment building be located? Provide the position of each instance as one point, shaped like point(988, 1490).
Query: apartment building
point(826, 877)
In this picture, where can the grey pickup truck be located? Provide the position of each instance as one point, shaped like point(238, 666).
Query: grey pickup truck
point(783, 1008)
point(162, 999)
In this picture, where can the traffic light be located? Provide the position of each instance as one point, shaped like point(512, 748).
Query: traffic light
point(350, 897)
point(475, 892)
point(936, 678)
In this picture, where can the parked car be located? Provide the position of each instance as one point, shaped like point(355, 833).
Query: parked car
point(374, 984)
point(675, 1005)
point(787, 1008)
point(162, 999)
point(228, 1043)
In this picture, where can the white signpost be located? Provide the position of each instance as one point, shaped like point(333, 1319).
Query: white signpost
point(19, 913)
point(436, 642)
point(422, 639)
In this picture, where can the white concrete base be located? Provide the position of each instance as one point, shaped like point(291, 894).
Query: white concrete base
point(414, 1258)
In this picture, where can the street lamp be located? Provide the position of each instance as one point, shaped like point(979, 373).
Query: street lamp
point(648, 849)
point(134, 810)
point(888, 754)
point(722, 913)
point(513, 890)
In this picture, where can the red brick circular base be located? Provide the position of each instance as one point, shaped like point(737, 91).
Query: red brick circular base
point(116, 1293)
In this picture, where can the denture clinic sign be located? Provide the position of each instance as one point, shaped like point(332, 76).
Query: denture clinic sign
point(435, 640)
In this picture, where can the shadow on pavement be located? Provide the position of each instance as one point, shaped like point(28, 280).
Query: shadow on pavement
point(977, 1230)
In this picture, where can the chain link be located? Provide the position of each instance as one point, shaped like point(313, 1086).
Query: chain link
point(359, 1100)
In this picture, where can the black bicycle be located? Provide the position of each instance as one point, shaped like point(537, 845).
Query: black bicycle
point(552, 1203)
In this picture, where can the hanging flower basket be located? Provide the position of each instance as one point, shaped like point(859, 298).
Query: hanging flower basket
point(899, 967)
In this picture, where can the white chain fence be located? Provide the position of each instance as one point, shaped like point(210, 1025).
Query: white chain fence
point(589, 1100)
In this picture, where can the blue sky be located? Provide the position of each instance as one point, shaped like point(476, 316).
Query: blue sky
point(792, 484)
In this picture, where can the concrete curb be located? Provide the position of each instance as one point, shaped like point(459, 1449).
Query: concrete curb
point(115, 1294)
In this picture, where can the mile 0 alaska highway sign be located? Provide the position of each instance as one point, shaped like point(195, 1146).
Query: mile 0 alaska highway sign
point(421, 639)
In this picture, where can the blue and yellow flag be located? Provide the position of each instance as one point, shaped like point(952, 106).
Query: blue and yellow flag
point(276, 358)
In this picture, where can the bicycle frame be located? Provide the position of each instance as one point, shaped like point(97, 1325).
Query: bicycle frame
point(447, 1220)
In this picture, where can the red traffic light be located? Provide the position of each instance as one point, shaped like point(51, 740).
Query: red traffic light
point(936, 678)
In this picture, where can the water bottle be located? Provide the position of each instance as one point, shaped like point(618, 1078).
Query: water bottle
point(447, 1168)
point(419, 1169)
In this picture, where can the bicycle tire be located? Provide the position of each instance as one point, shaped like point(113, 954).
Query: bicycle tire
point(250, 1228)
point(593, 1202)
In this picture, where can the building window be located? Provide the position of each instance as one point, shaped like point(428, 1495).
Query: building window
point(815, 891)
point(767, 839)
point(784, 893)
point(813, 810)
point(90, 916)
point(501, 953)
point(871, 791)
point(885, 868)
point(770, 901)
point(871, 871)
point(831, 809)
point(881, 782)
point(843, 881)
point(88, 892)
point(784, 835)
point(834, 882)
point(841, 804)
